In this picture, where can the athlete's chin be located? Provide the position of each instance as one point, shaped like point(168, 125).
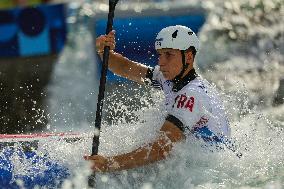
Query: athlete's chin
point(166, 75)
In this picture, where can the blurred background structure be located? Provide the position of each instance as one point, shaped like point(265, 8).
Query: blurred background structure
point(31, 37)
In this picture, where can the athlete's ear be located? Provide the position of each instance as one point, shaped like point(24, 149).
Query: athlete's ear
point(189, 57)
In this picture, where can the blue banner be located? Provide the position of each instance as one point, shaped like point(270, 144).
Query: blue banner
point(31, 31)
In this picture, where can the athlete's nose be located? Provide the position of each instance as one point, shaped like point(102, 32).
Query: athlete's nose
point(161, 61)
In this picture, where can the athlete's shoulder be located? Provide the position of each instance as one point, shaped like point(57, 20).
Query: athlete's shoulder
point(195, 87)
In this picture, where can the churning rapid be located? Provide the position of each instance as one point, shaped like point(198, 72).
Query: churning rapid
point(242, 45)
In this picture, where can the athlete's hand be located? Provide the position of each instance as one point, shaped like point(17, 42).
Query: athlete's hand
point(105, 40)
point(99, 163)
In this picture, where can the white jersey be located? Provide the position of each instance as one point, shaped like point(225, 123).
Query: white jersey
point(192, 104)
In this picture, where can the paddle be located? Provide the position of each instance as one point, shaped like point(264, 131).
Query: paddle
point(95, 146)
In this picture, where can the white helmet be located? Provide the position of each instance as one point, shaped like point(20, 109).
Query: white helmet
point(176, 37)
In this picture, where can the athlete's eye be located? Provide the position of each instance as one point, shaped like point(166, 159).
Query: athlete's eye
point(168, 55)
point(165, 55)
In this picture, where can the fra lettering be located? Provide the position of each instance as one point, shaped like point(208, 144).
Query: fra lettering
point(182, 101)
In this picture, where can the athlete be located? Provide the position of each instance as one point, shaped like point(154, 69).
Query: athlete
point(193, 106)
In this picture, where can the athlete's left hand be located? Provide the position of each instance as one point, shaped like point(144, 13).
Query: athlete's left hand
point(99, 163)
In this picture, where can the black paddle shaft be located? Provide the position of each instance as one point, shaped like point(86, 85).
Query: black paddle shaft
point(95, 146)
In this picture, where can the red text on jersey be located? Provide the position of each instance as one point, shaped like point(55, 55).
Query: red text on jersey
point(182, 101)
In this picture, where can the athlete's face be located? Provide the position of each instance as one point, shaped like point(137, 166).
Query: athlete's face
point(170, 62)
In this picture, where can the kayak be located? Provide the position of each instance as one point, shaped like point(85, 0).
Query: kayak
point(22, 166)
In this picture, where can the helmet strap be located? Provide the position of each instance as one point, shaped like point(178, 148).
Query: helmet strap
point(184, 67)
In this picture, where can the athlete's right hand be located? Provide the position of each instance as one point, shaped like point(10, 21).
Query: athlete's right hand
point(105, 40)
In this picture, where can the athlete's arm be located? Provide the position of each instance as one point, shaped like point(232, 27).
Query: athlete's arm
point(155, 151)
point(119, 64)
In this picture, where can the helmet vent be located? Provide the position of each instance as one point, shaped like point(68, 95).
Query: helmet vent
point(174, 35)
point(190, 33)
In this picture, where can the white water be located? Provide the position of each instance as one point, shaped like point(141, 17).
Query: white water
point(233, 65)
